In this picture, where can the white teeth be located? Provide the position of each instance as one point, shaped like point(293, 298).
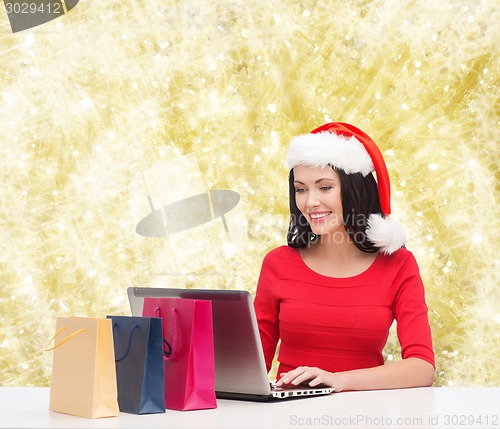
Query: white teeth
point(318, 216)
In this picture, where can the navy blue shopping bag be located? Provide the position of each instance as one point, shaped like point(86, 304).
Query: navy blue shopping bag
point(139, 354)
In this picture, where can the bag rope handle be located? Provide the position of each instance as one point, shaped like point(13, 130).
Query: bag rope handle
point(165, 353)
point(172, 348)
point(129, 341)
point(63, 341)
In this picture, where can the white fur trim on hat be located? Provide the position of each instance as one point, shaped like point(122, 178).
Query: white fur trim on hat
point(385, 233)
point(321, 149)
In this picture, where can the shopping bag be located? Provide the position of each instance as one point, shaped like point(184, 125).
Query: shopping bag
point(139, 364)
point(189, 365)
point(83, 368)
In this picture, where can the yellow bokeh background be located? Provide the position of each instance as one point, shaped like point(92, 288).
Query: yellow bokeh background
point(95, 101)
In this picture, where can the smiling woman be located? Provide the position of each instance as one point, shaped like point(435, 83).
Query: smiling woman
point(350, 164)
point(331, 296)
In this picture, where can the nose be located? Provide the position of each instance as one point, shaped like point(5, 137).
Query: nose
point(312, 200)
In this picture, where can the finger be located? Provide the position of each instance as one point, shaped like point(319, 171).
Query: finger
point(283, 379)
point(312, 377)
point(302, 377)
point(289, 377)
point(296, 376)
point(316, 381)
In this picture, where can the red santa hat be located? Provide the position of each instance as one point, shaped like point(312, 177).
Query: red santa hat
point(346, 147)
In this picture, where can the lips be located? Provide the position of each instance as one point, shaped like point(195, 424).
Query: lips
point(318, 217)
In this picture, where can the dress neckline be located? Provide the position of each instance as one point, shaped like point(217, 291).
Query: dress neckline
point(361, 274)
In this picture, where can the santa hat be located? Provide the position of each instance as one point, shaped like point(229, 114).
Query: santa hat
point(348, 148)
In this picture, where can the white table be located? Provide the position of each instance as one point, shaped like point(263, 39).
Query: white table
point(478, 408)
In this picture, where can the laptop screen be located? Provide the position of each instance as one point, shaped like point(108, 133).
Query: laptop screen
point(239, 359)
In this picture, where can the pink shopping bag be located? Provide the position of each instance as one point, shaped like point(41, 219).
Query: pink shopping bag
point(189, 361)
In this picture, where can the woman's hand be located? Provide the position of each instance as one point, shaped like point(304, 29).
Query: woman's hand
point(411, 372)
point(310, 376)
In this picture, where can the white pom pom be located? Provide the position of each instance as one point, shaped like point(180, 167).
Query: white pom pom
point(385, 233)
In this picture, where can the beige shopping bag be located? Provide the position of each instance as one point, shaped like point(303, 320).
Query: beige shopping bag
point(83, 368)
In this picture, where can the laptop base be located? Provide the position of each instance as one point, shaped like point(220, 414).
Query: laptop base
point(277, 395)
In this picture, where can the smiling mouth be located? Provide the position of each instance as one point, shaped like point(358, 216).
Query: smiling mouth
point(319, 216)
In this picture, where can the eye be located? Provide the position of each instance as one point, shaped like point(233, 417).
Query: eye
point(299, 190)
point(326, 188)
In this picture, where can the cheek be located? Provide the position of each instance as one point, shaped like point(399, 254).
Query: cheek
point(338, 200)
point(300, 202)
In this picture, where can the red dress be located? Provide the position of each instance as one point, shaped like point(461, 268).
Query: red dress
point(339, 324)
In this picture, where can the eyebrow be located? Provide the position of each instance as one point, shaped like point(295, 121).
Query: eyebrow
point(317, 181)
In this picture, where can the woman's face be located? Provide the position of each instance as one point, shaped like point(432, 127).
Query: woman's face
point(318, 197)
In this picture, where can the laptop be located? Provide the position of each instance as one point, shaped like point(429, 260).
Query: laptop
point(240, 369)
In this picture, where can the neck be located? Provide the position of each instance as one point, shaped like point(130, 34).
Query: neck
point(338, 246)
point(336, 258)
